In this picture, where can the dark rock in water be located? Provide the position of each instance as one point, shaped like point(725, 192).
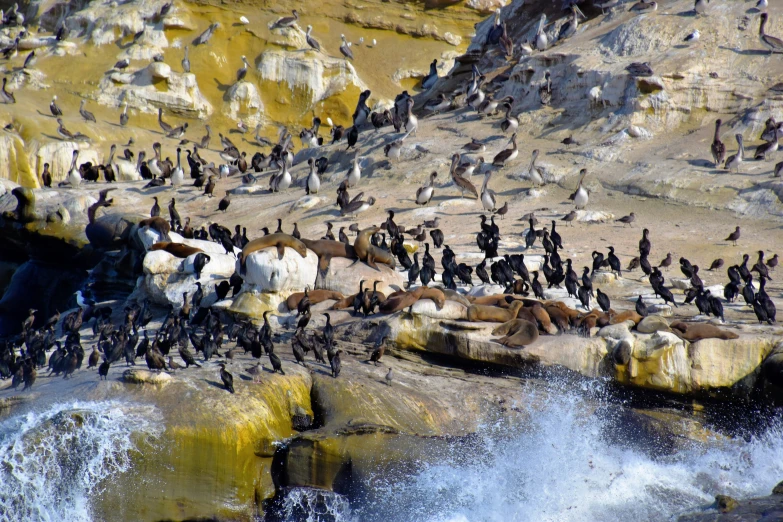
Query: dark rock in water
point(25, 206)
point(44, 287)
point(725, 503)
point(764, 509)
point(778, 490)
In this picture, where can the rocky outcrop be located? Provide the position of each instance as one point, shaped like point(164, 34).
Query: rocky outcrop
point(657, 361)
point(313, 76)
point(152, 87)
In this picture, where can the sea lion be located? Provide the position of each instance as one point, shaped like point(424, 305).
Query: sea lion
point(316, 296)
point(494, 314)
point(158, 224)
point(435, 294)
point(627, 315)
point(400, 301)
point(516, 333)
point(558, 317)
point(369, 253)
point(491, 300)
point(542, 319)
point(570, 313)
point(176, 249)
point(697, 331)
point(451, 295)
point(277, 240)
point(326, 249)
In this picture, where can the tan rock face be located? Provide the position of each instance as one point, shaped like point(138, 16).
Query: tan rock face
point(344, 276)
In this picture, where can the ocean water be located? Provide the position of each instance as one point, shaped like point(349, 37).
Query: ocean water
point(564, 466)
point(53, 461)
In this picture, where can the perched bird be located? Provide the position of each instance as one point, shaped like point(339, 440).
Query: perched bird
point(227, 378)
point(734, 236)
point(626, 220)
point(693, 37)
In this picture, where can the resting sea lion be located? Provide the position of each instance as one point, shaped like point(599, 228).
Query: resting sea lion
point(570, 313)
point(628, 315)
point(316, 296)
point(451, 295)
point(176, 249)
point(542, 319)
point(436, 294)
point(400, 301)
point(493, 313)
point(371, 254)
point(326, 249)
point(158, 224)
point(517, 332)
point(558, 317)
point(697, 331)
point(491, 300)
point(278, 240)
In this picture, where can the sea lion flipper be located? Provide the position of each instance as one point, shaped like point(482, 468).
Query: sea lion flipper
point(280, 250)
point(371, 261)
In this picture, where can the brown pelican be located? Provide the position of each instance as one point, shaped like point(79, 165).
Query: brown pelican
point(775, 45)
point(733, 161)
point(87, 115)
point(242, 72)
point(535, 173)
point(580, 195)
point(56, 111)
point(541, 39)
point(569, 28)
point(510, 123)
point(286, 21)
point(186, 60)
point(507, 155)
point(461, 182)
point(488, 198)
point(345, 48)
point(424, 194)
point(124, 115)
point(312, 42)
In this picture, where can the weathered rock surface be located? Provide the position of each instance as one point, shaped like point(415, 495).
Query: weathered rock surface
point(344, 276)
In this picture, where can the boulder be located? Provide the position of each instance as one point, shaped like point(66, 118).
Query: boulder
point(344, 276)
point(243, 102)
point(652, 324)
point(59, 154)
point(14, 163)
point(159, 70)
point(310, 75)
point(266, 273)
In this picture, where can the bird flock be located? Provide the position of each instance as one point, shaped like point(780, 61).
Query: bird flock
point(210, 334)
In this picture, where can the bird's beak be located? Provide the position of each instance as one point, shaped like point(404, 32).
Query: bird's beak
point(579, 12)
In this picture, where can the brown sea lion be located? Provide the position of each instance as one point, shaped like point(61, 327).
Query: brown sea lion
point(516, 333)
point(369, 253)
point(451, 295)
point(491, 300)
point(494, 314)
point(697, 331)
point(627, 315)
point(176, 249)
point(558, 317)
point(569, 312)
point(435, 294)
point(158, 224)
point(326, 249)
point(542, 319)
point(400, 301)
point(277, 240)
point(316, 296)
